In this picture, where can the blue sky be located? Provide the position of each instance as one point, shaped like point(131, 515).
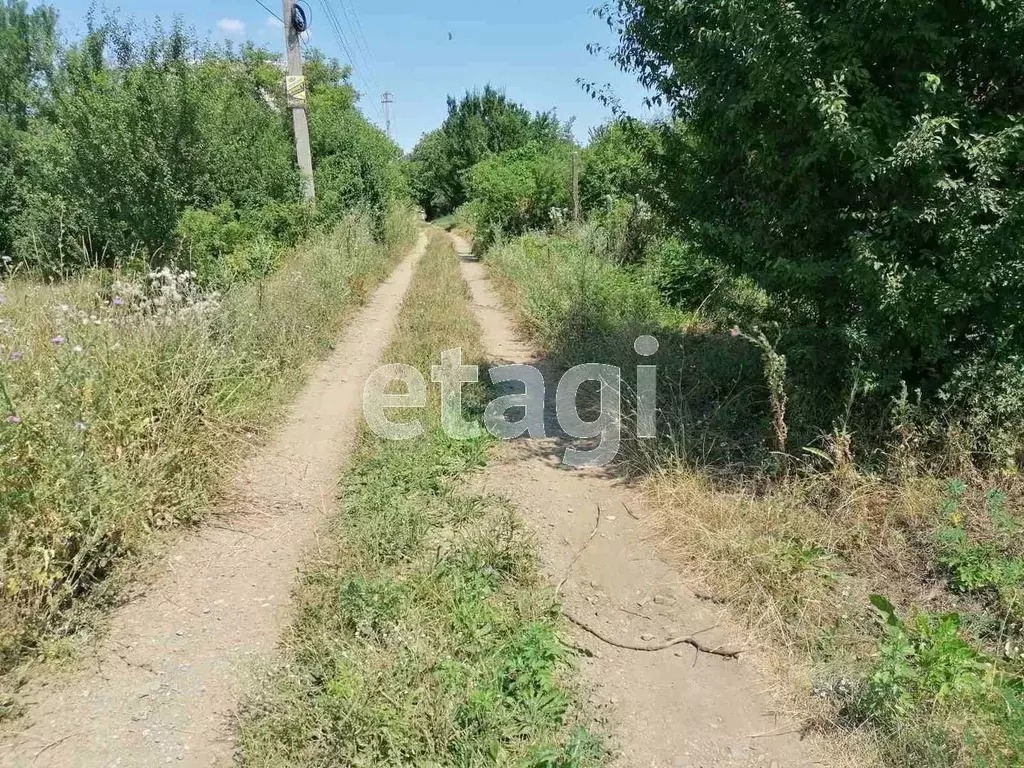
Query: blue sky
point(533, 49)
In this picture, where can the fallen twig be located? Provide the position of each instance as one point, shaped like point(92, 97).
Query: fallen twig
point(590, 538)
point(728, 653)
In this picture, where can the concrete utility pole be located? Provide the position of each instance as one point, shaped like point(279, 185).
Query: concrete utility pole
point(576, 187)
point(387, 100)
point(295, 85)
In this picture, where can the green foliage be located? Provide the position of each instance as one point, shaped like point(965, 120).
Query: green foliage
point(982, 561)
point(939, 699)
point(519, 190)
point(617, 163)
point(481, 124)
point(686, 275)
point(128, 144)
point(355, 164)
point(861, 163)
point(572, 298)
point(223, 249)
point(120, 135)
point(28, 40)
point(426, 167)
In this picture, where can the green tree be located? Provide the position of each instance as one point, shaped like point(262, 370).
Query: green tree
point(426, 164)
point(863, 162)
point(518, 190)
point(355, 164)
point(480, 124)
point(28, 44)
point(617, 163)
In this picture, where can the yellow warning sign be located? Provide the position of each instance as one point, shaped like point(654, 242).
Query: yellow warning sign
point(295, 85)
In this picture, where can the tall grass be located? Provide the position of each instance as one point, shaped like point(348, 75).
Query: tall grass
point(125, 400)
point(423, 635)
point(798, 544)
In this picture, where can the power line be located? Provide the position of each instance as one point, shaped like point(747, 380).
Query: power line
point(356, 28)
point(347, 50)
point(259, 3)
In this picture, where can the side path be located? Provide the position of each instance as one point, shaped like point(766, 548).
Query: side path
point(167, 678)
point(674, 708)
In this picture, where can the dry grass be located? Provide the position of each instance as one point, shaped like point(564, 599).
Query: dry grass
point(797, 562)
point(124, 403)
point(797, 545)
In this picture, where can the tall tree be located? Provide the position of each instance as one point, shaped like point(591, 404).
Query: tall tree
point(863, 161)
point(28, 44)
point(480, 124)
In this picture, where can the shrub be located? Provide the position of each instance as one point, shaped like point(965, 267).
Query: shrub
point(516, 191)
point(939, 699)
point(123, 141)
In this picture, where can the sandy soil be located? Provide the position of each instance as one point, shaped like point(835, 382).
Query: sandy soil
point(165, 682)
point(673, 708)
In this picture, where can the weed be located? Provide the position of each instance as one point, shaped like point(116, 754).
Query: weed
point(125, 403)
point(939, 699)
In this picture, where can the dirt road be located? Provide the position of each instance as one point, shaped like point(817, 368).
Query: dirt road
point(164, 685)
point(675, 708)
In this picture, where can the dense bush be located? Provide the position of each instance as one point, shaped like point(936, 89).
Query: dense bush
point(519, 190)
point(112, 146)
point(862, 162)
point(481, 124)
point(355, 164)
point(616, 163)
point(124, 146)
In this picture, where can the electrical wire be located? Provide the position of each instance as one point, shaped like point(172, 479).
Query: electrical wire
point(359, 35)
point(356, 28)
point(348, 50)
point(261, 5)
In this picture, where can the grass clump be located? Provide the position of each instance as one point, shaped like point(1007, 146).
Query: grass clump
point(124, 399)
point(423, 634)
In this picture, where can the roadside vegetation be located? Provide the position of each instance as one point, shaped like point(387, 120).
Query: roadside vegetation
point(823, 233)
point(125, 399)
point(162, 290)
point(153, 148)
point(423, 634)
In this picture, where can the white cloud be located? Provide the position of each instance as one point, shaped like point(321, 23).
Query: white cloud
point(231, 26)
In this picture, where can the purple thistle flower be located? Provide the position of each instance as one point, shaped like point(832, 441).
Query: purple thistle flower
point(57, 340)
point(14, 419)
point(14, 356)
point(117, 301)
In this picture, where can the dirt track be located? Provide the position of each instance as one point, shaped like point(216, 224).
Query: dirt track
point(165, 682)
point(675, 708)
